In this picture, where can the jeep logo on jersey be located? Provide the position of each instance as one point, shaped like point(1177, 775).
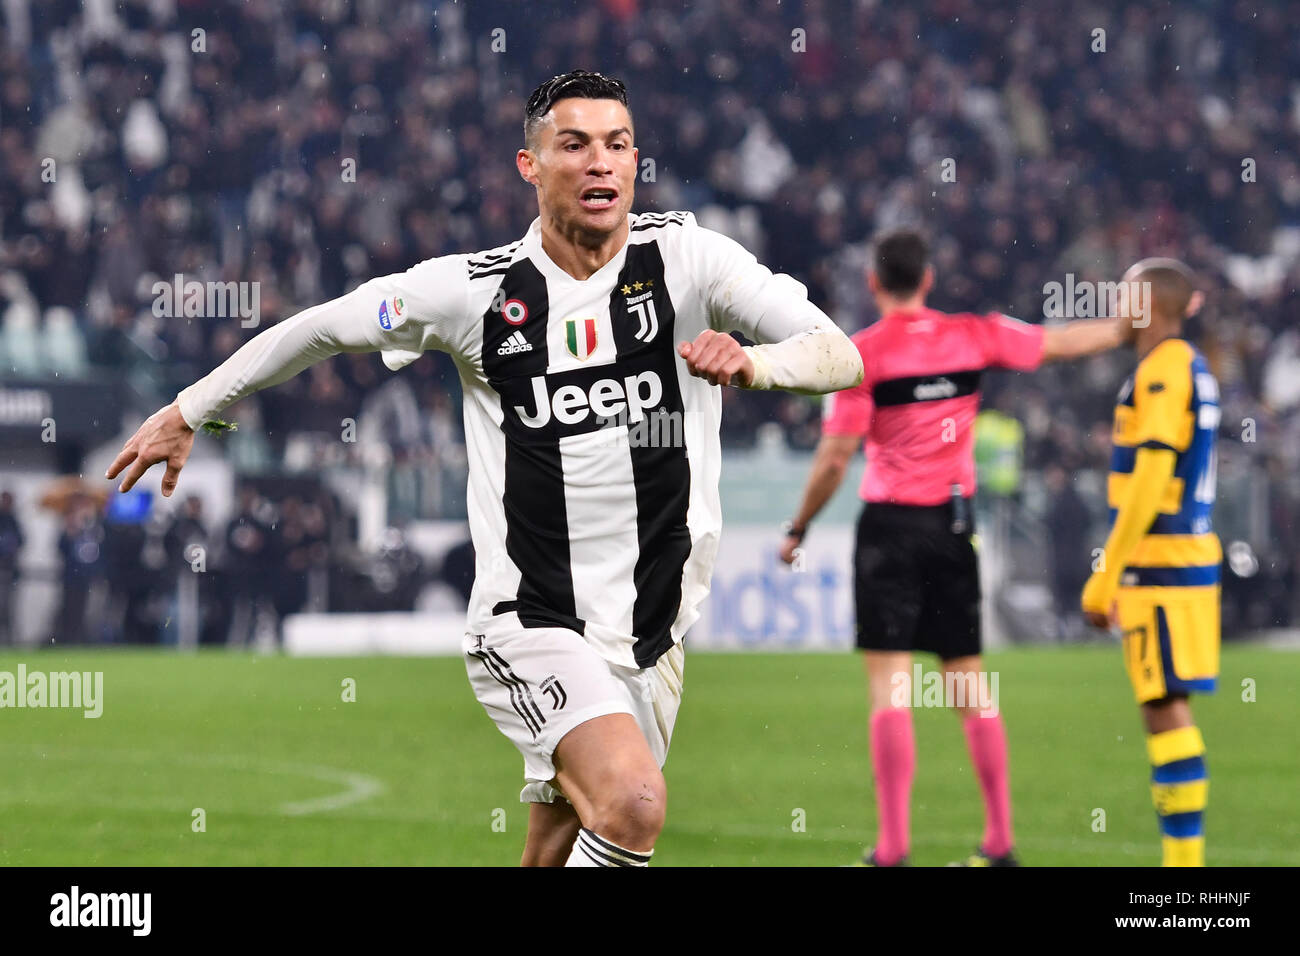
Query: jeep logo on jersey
point(514, 312)
point(580, 337)
point(607, 397)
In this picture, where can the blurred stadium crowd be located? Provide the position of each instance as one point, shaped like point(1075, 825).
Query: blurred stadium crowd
point(210, 139)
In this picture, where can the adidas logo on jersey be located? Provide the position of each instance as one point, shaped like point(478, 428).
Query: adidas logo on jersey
point(515, 344)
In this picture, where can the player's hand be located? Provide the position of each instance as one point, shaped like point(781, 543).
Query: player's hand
point(717, 357)
point(789, 546)
point(1098, 620)
point(164, 436)
point(1099, 606)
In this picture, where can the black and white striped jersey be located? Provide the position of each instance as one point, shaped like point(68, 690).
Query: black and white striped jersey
point(593, 454)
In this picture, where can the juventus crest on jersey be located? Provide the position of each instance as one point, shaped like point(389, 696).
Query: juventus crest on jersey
point(593, 453)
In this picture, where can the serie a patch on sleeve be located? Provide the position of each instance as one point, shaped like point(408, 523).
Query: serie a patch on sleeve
point(392, 313)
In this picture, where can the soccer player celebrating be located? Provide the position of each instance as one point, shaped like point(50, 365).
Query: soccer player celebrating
point(594, 548)
point(1158, 578)
point(916, 576)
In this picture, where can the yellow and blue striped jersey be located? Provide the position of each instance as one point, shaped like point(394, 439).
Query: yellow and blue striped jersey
point(1171, 401)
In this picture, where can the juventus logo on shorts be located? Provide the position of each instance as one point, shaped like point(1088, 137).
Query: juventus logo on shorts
point(555, 689)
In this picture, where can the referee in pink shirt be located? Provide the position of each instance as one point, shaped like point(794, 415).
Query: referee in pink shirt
point(916, 574)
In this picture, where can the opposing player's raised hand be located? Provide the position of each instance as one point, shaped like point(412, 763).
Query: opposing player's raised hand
point(164, 436)
point(717, 357)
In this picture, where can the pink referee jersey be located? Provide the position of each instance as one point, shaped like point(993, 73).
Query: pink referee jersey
point(919, 398)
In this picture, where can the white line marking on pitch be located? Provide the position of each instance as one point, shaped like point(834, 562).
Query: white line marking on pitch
point(358, 786)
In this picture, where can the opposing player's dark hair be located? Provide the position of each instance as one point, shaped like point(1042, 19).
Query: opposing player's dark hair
point(583, 84)
point(901, 256)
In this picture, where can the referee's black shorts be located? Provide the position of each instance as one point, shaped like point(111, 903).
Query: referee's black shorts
point(916, 581)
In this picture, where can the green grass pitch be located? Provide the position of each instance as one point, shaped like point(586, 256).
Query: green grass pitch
point(413, 772)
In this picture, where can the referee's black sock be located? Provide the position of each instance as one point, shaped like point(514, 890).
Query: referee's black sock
point(592, 850)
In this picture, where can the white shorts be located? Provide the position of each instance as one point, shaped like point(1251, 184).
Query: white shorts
point(537, 684)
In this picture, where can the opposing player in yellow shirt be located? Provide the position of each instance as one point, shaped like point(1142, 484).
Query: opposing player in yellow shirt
point(1158, 579)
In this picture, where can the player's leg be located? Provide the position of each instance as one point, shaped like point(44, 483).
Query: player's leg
point(594, 782)
point(552, 830)
point(621, 802)
point(1169, 713)
point(1179, 779)
point(590, 731)
point(1171, 649)
point(893, 751)
point(559, 703)
point(605, 768)
point(975, 701)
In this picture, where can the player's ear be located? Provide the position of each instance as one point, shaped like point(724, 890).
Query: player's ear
point(872, 282)
point(526, 163)
point(1194, 304)
point(927, 281)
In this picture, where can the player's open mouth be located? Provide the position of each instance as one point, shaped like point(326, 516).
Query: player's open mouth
point(599, 198)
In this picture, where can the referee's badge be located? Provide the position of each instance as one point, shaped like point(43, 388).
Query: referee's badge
point(580, 337)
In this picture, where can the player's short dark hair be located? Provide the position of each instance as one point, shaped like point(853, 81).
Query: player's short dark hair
point(1172, 284)
point(580, 83)
point(901, 256)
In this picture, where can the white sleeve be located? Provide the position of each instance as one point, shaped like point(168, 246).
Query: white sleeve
point(814, 362)
point(800, 348)
point(400, 315)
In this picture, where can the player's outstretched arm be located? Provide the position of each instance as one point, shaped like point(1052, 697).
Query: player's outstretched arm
point(1084, 337)
point(269, 358)
point(1152, 469)
point(815, 361)
point(800, 349)
point(164, 436)
point(811, 362)
point(719, 358)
